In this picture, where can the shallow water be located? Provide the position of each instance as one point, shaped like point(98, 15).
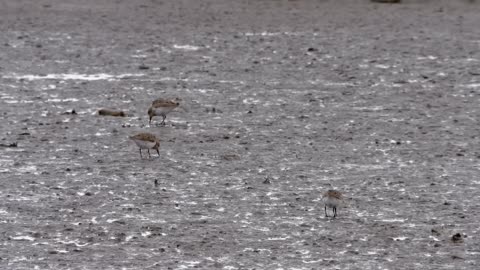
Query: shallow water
point(381, 108)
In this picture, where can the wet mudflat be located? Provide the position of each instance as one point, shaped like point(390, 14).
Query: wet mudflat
point(282, 100)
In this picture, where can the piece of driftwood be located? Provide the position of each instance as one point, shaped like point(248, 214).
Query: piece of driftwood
point(386, 1)
point(111, 113)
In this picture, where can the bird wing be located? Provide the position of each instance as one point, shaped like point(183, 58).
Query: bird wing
point(163, 103)
point(145, 137)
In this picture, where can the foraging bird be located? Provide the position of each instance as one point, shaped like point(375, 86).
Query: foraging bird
point(162, 107)
point(146, 141)
point(332, 198)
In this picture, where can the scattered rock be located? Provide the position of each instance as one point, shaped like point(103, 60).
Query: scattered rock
point(37, 235)
point(457, 238)
point(474, 73)
point(106, 112)
point(267, 180)
point(120, 237)
point(213, 110)
point(72, 112)
point(230, 157)
point(14, 144)
point(143, 67)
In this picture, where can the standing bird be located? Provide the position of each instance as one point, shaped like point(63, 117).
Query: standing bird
point(146, 141)
point(332, 198)
point(161, 107)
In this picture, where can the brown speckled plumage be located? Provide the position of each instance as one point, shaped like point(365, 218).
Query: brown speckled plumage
point(148, 137)
point(146, 141)
point(161, 107)
point(161, 102)
point(333, 194)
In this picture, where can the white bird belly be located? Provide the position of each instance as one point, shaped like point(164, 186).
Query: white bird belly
point(162, 110)
point(144, 144)
point(331, 202)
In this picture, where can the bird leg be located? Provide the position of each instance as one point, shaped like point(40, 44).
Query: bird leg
point(140, 149)
point(148, 150)
point(326, 211)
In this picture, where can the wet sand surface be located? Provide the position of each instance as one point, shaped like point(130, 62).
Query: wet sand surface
point(282, 101)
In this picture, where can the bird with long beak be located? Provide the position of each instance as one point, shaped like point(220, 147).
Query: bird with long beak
point(146, 141)
point(162, 107)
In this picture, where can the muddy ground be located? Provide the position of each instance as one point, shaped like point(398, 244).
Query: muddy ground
point(281, 101)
